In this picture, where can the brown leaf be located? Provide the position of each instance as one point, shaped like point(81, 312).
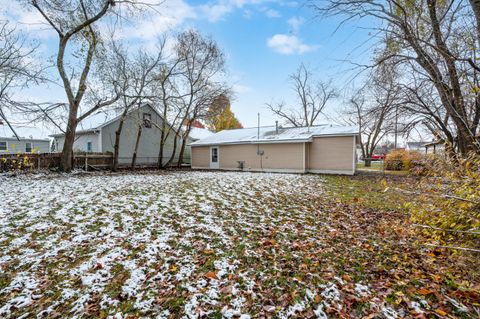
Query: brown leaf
point(424, 291)
point(440, 312)
point(211, 275)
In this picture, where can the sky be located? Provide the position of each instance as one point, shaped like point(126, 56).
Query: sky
point(264, 41)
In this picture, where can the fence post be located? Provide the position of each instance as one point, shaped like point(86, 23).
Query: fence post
point(86, 162)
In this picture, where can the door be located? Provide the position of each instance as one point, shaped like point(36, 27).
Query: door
point(214, 162)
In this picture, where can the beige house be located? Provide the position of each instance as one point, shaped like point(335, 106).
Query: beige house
point(317, 149)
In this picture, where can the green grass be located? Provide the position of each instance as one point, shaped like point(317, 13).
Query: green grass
point(377, 166)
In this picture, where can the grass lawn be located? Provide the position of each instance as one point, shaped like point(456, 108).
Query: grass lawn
point(221, 245)
point(378, 166)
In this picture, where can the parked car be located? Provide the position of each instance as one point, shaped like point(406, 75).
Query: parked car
point(378, 157)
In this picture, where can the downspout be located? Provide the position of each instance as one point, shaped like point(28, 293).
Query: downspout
point(304, 158)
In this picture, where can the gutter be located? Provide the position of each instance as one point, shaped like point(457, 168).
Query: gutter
point(291, 140)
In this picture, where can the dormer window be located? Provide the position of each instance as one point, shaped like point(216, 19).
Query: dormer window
point(147, 120)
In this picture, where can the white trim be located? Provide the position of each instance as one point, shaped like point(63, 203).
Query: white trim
point(304, 158)
point(215, 165)
point(354, 166)
point(272, 141)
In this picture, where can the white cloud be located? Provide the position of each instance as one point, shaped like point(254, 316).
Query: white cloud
point(271, 13)
point(295, 23)
point(288, 44)
point(240, 88)
point(170, 15)
point(216, 11)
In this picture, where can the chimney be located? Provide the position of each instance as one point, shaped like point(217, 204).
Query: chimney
point(276, 127)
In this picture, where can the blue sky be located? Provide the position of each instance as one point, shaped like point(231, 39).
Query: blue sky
point(264, 41)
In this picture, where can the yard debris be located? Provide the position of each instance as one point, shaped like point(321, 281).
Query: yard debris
point(212, 244)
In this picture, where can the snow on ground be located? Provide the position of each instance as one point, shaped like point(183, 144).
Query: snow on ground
point(184, 244)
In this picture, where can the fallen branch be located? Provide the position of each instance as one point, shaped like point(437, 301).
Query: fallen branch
point(448, 230)
point(436, 195)
point(453, 247)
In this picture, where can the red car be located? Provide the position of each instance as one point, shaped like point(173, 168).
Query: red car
point(378, 157)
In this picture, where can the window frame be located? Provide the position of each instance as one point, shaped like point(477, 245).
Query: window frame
point(214, 154)
point(89, 147)
point(147, 120)
point(6, 146)
point(31, 147)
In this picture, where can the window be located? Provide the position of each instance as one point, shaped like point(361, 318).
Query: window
point(3, 146)
point(147, 120)
point(28, 147)
point(214, 155)
point(89, 146)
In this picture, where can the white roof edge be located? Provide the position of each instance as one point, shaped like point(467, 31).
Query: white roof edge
point(278, 141)
point(99, 127)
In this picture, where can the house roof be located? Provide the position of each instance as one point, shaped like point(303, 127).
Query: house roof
point(268, 134)
point(416, 144)
point(102, 125)
point(24, 132)
point(197, 133)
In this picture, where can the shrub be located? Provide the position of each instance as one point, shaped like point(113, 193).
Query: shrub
point(450, 199)
point(398, 160)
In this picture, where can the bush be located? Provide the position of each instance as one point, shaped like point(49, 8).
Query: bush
point(450, 199)
point(399, 160)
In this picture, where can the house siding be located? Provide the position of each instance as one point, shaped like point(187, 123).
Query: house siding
point(322, 155)
point(287, 157)
point(200, 156)
point(149, 145)
point(15, 146)
point(332, 154)
point(80, 143)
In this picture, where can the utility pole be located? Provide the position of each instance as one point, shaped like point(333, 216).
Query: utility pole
point(396, 126)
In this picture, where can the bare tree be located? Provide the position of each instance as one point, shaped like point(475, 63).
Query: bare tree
point(374, 109)
point(312, 96)
point(431, 35)
point(203, 62)
point(75, 23)
point(129, 75)
point(17, 68)
point(187, 84)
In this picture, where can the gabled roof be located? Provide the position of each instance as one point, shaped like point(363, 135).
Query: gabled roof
point(116, 118)
point(268, 134)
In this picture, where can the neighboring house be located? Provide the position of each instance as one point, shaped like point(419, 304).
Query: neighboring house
point(10, 144)
point(316, 149)
point(416, 146)
point(435, 147)
point(102, 138)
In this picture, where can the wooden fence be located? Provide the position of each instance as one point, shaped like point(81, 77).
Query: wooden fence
point(87, 161)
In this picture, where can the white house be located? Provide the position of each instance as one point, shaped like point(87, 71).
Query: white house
point(29, 140)
point(102, 137)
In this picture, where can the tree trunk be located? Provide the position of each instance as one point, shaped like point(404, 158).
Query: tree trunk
point(116, 147)
point(134, 157)
point(66, 164)
point(182, 147)
point(172, 157)
point(476, 11)
point(160, 152)
point(368, 162)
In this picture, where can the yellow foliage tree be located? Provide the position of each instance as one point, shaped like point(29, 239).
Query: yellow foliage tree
point(220, 116)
